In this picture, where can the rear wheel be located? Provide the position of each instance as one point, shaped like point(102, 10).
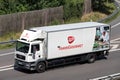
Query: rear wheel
point(105, 54)
point(40, 67)
point(91, 58)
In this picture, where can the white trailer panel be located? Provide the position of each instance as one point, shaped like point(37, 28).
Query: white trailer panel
point(70, 42)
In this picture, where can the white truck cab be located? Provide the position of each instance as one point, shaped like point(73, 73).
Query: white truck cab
point(29, 49)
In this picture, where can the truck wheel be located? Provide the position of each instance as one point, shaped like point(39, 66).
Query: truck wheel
point(40, 67)
point(91, 58)
point(15, 67)
point(105, 53)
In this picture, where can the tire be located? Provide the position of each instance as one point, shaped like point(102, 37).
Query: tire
point(15, 67)
point(40, 67)
point(105, 53)
point(91, 58)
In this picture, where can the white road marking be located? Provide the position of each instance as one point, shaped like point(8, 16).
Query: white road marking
point(109, 77)
point(114, 46)
point(115, 25)
point(6, 69)
point(6, 66)
point(115, 39)
point(4, 54)
point(115, 42)
point(112, 50)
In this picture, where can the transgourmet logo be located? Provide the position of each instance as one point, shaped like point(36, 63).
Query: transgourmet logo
point(70, 39)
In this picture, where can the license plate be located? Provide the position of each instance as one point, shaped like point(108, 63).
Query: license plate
point(20, 63)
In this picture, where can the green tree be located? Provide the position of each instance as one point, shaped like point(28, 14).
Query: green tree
point(101, 5)
point(73, 8)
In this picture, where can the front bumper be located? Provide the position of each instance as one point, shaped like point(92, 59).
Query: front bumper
point(25, 65)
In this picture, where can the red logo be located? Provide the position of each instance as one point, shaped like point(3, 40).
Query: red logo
point(26, 35)
point(71, 39)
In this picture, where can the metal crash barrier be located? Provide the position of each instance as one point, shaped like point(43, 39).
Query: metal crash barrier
point(11, 41)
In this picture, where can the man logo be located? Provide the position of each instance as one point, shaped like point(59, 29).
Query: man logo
point(71, 39)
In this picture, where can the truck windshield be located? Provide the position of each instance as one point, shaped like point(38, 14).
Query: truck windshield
point(22, 47)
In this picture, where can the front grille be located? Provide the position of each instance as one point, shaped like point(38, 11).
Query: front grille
point(20, 56)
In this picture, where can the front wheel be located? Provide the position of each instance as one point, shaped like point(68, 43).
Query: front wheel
point(40, 67)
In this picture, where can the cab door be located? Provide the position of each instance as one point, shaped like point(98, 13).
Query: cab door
point(35, 50)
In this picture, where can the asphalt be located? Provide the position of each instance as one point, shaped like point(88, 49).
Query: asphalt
point(7, 50)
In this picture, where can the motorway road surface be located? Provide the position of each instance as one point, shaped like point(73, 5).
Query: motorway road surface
point(72, 72)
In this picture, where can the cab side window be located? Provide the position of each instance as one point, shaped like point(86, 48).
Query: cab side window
point(106, 28)
point(35, 48)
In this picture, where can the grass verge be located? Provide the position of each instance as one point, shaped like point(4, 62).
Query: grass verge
point(8, 37)
point(7, 46)
point(93, 16)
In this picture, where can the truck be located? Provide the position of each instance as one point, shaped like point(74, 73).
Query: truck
point(39, 48)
